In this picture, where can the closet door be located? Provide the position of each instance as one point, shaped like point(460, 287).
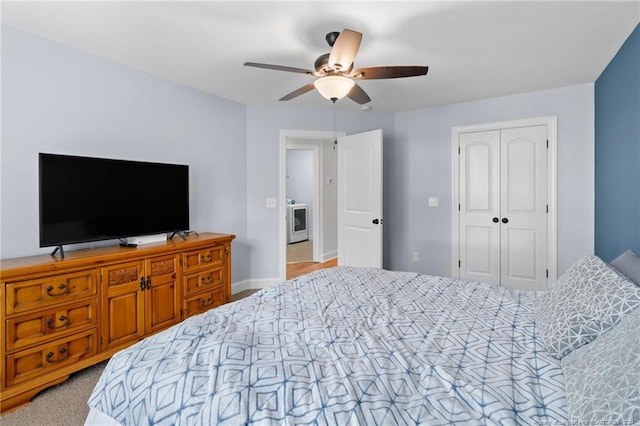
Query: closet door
point(479, 167)
point(503, 206)
point(523, 208)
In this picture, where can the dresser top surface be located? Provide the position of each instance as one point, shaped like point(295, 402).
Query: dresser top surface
point(96, 256)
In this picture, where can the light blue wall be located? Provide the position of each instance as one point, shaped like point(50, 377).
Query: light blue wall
point(300, 175)
point(60, 100)
point(420, 163)
point(617, 147)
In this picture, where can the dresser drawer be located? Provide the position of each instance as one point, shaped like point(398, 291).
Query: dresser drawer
point(22, 296)
point(209, 278)
point(204, 301)
point(35, 328)
point(198, 260)
point(34, 362)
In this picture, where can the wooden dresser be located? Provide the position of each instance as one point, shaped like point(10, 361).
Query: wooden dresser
point(62, 315)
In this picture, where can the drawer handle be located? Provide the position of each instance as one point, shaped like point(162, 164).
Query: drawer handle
point(207, 280)
point(64, 320)
point(62, 286)
point(207, 302)
point(148, 282)
point(206, 259)
point(64, 355)
point(142, 284)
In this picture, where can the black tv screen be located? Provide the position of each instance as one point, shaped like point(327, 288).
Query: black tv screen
point(89, 199)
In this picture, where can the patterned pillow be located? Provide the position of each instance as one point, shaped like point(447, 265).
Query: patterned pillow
point(603, 378)
point(585, 302)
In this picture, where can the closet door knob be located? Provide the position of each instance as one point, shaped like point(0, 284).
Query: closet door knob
point(495, 220)
point(505, 220)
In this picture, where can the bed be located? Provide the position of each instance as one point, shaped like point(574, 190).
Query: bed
point(346, 345)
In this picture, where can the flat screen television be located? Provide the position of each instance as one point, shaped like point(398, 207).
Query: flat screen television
point(91, 199)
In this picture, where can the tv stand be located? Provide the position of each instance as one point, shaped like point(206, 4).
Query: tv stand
point(181, 234)
point(60, 316)
point(53, 253)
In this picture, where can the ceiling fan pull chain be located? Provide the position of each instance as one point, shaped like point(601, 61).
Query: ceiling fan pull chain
point(335, 125)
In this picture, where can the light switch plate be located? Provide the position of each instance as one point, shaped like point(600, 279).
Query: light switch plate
point(271, 203)
point(434, 201)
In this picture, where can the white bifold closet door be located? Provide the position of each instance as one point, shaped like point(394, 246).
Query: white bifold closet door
point(503, 207)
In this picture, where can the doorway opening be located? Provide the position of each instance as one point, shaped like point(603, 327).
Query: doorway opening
point(302, 165)
point(315, 148)
point(348, 195)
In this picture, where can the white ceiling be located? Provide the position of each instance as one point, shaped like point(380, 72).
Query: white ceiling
point(474, 50)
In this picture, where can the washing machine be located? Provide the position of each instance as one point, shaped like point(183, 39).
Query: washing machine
point(297, 223)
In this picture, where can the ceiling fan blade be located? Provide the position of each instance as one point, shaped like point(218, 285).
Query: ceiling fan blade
point(279, 68)
point(373, 73)
point(298, 92)
point(358, 95)
point(344, 50)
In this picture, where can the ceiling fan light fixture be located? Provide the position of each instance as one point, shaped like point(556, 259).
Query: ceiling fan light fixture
point(334, 87)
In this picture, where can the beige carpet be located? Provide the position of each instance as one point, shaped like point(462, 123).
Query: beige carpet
point(300, 252)
point(61, 405)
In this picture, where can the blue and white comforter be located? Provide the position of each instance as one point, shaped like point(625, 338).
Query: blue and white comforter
point(344, 346)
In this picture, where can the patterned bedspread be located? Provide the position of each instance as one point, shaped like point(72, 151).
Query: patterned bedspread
point(344, 346)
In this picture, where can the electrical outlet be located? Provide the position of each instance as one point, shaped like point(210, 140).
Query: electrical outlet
point(416, 256)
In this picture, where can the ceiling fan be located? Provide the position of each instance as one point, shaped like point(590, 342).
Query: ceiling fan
point(335, 70)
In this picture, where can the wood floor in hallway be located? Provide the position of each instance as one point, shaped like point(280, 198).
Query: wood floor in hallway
point(293, 270)
point(301, 268)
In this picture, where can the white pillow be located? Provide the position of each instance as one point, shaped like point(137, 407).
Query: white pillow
point(602, 378)
point(585, 302)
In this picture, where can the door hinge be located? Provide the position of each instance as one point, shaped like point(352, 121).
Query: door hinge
point(547, 208)
point(459, 264)
point(547, 273)
point(547, 143)
point(458, 150)
point(458, 206)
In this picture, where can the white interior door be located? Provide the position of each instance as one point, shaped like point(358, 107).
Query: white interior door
point(523, 208)
point(360, 199)
point(479, 208)
point(503, 207)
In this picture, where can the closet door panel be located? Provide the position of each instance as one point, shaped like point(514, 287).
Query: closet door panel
point(520, 265)
point(479, 204)
point(523, 208)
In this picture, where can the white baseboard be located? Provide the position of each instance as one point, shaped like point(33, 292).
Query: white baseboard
point(329, 255)
point(253, 284)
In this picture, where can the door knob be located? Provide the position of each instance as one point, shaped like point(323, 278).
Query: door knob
point(505, 220)
point(495, 220)
point(376, 221)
